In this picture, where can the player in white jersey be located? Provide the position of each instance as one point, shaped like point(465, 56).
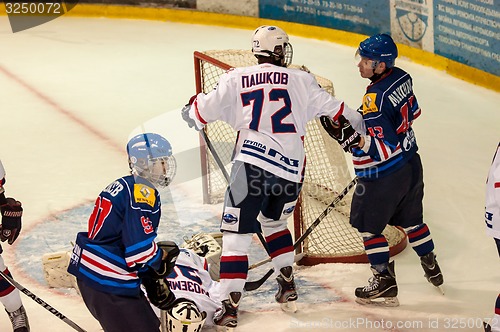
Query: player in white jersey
point(492, 219)
point(12, 212)
point(269, 106)
point(195, 292)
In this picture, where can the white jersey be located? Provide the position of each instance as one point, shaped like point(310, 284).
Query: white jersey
point(269, 106)
point(2, 177)
point(191, 280)
point(492, 214)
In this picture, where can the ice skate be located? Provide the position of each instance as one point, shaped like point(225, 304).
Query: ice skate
point(432, 270)
point(287, 294)
point(226, 318)
point(382, 289)
point(19, 320)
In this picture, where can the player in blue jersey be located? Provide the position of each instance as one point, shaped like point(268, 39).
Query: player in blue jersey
point(10, 228)
point(390, 186)
point(269, 106)
point(118, 252)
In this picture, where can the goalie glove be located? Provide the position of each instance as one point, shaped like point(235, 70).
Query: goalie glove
point(12, 212)
point(342, 132)
point(158, 293)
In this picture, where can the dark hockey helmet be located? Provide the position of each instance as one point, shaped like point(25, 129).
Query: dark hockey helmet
point(380, 48)
point(272, 41)
point(150, 156)
point(184, 316)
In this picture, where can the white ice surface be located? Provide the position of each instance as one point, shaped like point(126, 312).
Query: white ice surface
point(72, 91)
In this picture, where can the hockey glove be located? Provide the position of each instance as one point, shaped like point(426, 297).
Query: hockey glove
point(12, 212)
point(342, 132)
point(170, 251)
point(158, 293)
point(185, 116)
point(185, 113)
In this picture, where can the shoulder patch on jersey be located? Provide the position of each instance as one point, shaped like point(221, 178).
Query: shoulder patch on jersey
point(369, 105)
point(144, 194)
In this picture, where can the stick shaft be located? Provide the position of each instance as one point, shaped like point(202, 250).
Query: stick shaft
point(41, 302)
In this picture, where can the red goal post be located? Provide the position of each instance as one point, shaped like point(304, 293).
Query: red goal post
point(327, 174)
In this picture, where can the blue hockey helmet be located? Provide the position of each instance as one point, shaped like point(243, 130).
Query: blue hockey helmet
point(150, 156)
point(380, 48)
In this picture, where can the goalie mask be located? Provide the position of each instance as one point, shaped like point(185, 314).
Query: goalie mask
point(184, 316)
point(150, 156)
point(271, 41)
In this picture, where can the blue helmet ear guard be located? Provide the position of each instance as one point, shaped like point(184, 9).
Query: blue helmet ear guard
point(150, 156)
point(380, 47)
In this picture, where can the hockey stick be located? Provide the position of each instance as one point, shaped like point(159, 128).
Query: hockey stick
point(253, 285)
point(226, 175)
point(41, 302)
point(215, 155)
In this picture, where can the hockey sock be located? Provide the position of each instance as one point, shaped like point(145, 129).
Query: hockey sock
point(377, 250)
point(420, 239)
point(234, 262)
point(9, 295)
point(280, 246)
point(234, 267)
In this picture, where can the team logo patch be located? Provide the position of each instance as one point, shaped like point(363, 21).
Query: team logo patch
point(369, 105)
point(144, 194)
point(229, 218)
point(289, 209)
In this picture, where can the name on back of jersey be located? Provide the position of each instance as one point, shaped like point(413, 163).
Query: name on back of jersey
point(248, 81)
point(400, 93)
point(114, 188)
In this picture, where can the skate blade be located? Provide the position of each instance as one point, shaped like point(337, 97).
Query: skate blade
point(224, 329)
point(440, 289)
point(380, 302)
point(290, 306)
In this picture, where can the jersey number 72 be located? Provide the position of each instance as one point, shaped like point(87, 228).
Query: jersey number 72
point(275, 95)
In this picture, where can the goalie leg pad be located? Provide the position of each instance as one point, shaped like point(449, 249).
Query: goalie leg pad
point(55, 267)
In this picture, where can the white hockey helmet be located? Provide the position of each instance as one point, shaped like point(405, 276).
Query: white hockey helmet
point(150, 156)
point(184, 316)
point(272, 41)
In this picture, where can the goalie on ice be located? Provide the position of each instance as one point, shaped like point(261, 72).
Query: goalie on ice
point(192, 281)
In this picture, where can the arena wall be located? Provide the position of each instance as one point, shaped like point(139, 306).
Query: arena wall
point(460, 37)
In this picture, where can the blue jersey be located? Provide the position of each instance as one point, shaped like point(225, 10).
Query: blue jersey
point(389, 109)
point(119, 242)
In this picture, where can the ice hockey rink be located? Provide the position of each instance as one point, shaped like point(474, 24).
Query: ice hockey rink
point(72, 91)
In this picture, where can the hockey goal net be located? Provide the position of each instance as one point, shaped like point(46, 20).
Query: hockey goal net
point(327, 174)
